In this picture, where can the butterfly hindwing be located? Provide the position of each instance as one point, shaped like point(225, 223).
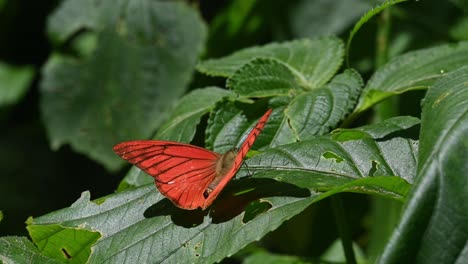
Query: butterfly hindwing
point(182, 172)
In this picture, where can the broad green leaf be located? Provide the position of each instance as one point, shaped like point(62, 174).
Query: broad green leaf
point(323, 18)
point(313, 62)
point(265, 77)
point(181, 124)
point(14, 82)
point(320, 110)
point(345, 159)
point(433, 228)
point(21, 250)
point(141, 64)
point(138, 225)
point(51, 241)
point(411, 71)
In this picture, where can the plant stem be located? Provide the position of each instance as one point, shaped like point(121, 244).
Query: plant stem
point(342, 226)
point(389, 107)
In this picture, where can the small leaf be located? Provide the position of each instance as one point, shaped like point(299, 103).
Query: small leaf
point(314, 62)
point(371, 13)
point(433, 228)
point(225, 127)
point(411, 71)
point(263, 78)
point(21, 250)
point(181, 124)
point(51, 241)
point(320, 110)
point(142, 62)
point(14, 82)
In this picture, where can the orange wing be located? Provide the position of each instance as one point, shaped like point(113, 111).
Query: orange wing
point(182, 172)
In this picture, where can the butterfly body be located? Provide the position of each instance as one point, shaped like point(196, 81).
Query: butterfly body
point(189, 176)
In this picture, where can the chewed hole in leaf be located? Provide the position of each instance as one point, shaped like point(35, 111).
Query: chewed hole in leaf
point(65, 252)
point(373, 169)
point(254, 209)
point(331, 155)
point(197, 245)
point(99, 201)
point(343, 135)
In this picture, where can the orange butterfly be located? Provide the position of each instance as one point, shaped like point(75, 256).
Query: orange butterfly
point(189, 176)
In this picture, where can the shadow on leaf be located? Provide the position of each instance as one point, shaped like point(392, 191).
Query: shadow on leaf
point(239, 196)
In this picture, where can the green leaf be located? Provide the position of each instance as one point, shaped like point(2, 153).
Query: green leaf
point(263, 78)
point(21, 250)
point(139, 225)
point(135, 177)
point(182, 123)
point(320, 110)
point(14, 82)
point(52, 241)
point(283, 133)
point(371, 13)
point(141, 64)
point(228, 126)
point(324, 18)
point(411, 71)
point(433, 228)
point(72, 16)
point(313, 62)
point(348, 160)
point(267, 258)
point(225, 127)
point(335, 254)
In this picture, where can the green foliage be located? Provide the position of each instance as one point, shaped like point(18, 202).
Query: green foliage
point(14, 82)
point(120, 71)
point(133, 74)
point(50, 241)
point(436, 211)
point(21, 250)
